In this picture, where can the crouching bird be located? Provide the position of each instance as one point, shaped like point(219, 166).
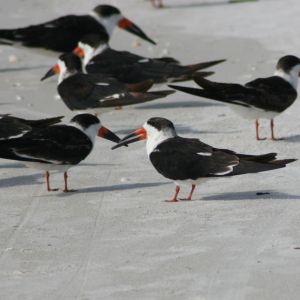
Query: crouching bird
point(190, 160)
point(97, 93)
point(262, 98)
point(57, 147)
point(63, 34)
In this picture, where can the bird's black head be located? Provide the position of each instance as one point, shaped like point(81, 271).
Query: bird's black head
point(106, 11)
point(288, 62)
point(85, 120)
point(95, 40)
point(161, 123)
point(72, 62)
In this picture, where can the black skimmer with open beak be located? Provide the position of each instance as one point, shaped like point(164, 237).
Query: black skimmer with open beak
point(57, 147)
point(262, 98)
point(192, 161)
point(12, 127)
point(64, 33)
point(95, 92)
point(127, 67)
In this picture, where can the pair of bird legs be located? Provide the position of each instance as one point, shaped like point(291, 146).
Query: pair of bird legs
point(49, 189)
point(157, 3)
point(272, 131)
point(177, 189)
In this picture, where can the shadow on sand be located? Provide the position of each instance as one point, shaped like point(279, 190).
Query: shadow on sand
point(205, 4)
point(116, 187)
point(19, 69)
point(252, 195)
point(178, 104)
point(292, 138)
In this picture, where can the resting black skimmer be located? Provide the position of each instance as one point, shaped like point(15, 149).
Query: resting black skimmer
point(262, 98)
point(12, 127)
point(57, 147)
point(95, 92)
point(190, 160)
point(127, 67)
point(64, 33)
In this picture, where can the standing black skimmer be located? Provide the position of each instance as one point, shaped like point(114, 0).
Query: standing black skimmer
point(57, 147)
point(127, 67)
point(64, 33)
point(262, 98)
point(96, 92)
point(190, 160)
point(12, 127)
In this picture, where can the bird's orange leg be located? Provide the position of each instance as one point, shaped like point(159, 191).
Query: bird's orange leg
point(272, 131)
point(176, 194)
point(47, 176)
point(257, 131)
point(66, 190)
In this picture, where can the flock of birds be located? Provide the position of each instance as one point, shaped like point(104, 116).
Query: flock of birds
point(93, 77)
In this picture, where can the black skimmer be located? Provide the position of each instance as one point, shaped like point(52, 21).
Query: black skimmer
point(262, 98)
point(192, 161)
point(127, 67)
point(57, 147)
point(12, 127)
point(64, 33)
point(95, 92)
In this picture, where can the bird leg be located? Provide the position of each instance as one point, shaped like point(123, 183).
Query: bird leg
point(47, 176)
point(257, 131)
point(176, 194)
point(66, 190)
point(272, 131)
point(191, 192)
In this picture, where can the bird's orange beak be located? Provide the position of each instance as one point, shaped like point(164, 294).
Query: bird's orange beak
point(129, 26)
point(79, 52)
point(55, 70)
point(138, 135)
point(108, 135)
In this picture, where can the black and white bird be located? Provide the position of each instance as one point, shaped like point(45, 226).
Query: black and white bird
point(95, 92)
point(99, 57)
point(57, 147)
point(262, 98)
point(12, 127)
point(186, 160)
point(64, 33)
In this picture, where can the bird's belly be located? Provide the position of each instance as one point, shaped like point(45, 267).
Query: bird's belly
point(252, 113)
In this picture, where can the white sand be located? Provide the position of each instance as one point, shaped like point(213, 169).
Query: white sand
point(116, 238)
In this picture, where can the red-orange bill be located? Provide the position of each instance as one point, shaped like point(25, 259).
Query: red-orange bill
point(129, 26)
point(138, 135)
point(109, 135)
point(53, 71)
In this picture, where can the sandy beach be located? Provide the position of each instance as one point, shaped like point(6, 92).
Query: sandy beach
point(116, 238)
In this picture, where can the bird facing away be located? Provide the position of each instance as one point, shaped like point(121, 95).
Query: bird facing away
point(262, 98)
point(64, 33)
point(12, 127)
point(187, 160)
point(127, 67)
point(57, 147)
point(95, 92)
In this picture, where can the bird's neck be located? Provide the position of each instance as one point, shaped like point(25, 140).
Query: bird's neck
point(291, 78)
point(108, 23)
point(155, 140)
point(90, 53)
